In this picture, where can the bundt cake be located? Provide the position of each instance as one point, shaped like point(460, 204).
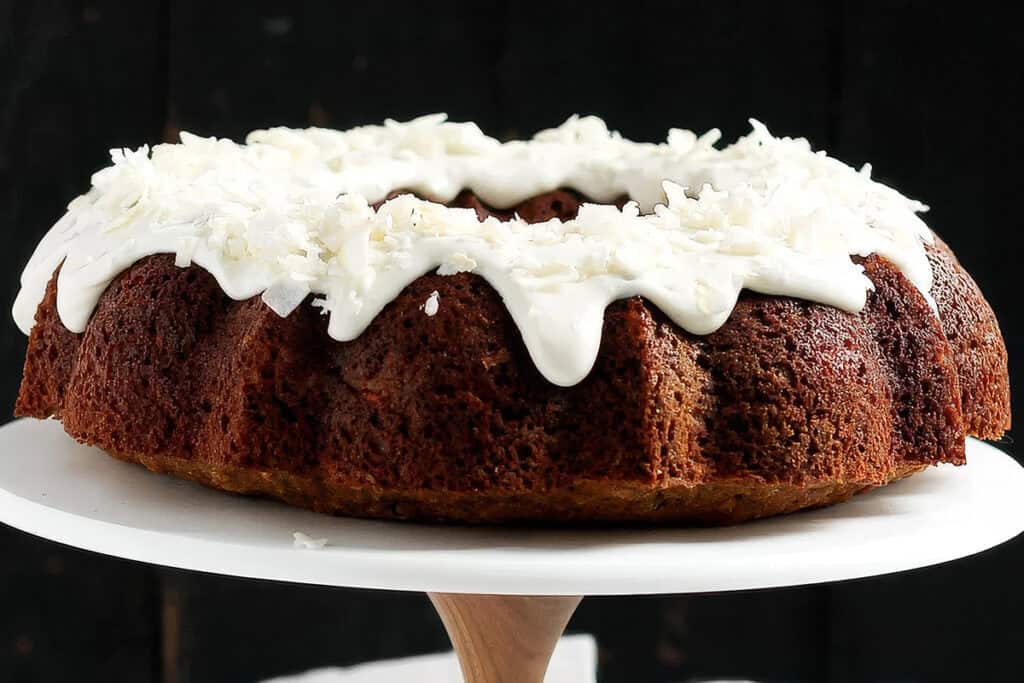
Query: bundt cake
point(417, 321)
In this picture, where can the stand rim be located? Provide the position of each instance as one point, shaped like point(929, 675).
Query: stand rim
point(78, 496)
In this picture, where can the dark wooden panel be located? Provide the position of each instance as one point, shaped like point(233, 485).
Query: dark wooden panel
point(239, 630)
point(280, 63)
point(958, 622)
point(76, 80)
point(926, 98)
point(74, 615)
point(776, 635)
point(929, 97)
point(658, 65)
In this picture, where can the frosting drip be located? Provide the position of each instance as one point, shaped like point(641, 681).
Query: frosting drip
point(289, 214)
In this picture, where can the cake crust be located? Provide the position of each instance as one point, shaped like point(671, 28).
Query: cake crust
point(788, 405)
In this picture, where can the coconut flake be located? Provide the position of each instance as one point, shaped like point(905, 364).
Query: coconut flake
point(186, 250)
point(285, 295)
point(457, 262)
point(301, 540)
point(430, 305)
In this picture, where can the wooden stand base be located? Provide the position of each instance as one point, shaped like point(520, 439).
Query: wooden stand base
point(504, 638)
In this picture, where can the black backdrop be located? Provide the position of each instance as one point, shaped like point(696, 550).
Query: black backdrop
point(928, 94)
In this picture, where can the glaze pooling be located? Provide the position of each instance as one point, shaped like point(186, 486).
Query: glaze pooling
point(289, 214)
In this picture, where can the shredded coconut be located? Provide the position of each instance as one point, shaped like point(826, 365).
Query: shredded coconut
point(457, 262)
point(285, 295)
point(301, 540)
point(430, 305)
point(289, 214)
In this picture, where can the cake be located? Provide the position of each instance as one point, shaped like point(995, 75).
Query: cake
point(417, 321)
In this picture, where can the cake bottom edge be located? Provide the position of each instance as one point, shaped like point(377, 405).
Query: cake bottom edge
point(586, 502)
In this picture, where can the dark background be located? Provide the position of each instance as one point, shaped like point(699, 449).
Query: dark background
point(928, 94)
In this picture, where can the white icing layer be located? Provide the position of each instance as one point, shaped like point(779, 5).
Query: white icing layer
point(288, 214)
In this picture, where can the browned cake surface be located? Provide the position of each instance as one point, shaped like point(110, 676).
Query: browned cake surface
point(789, 405)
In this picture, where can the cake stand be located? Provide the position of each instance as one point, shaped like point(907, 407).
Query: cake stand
point(504, 594)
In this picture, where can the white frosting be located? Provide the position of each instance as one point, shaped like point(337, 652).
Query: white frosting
point(288, 214)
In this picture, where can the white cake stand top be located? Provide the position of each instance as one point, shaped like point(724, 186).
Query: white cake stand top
point(58, 489)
